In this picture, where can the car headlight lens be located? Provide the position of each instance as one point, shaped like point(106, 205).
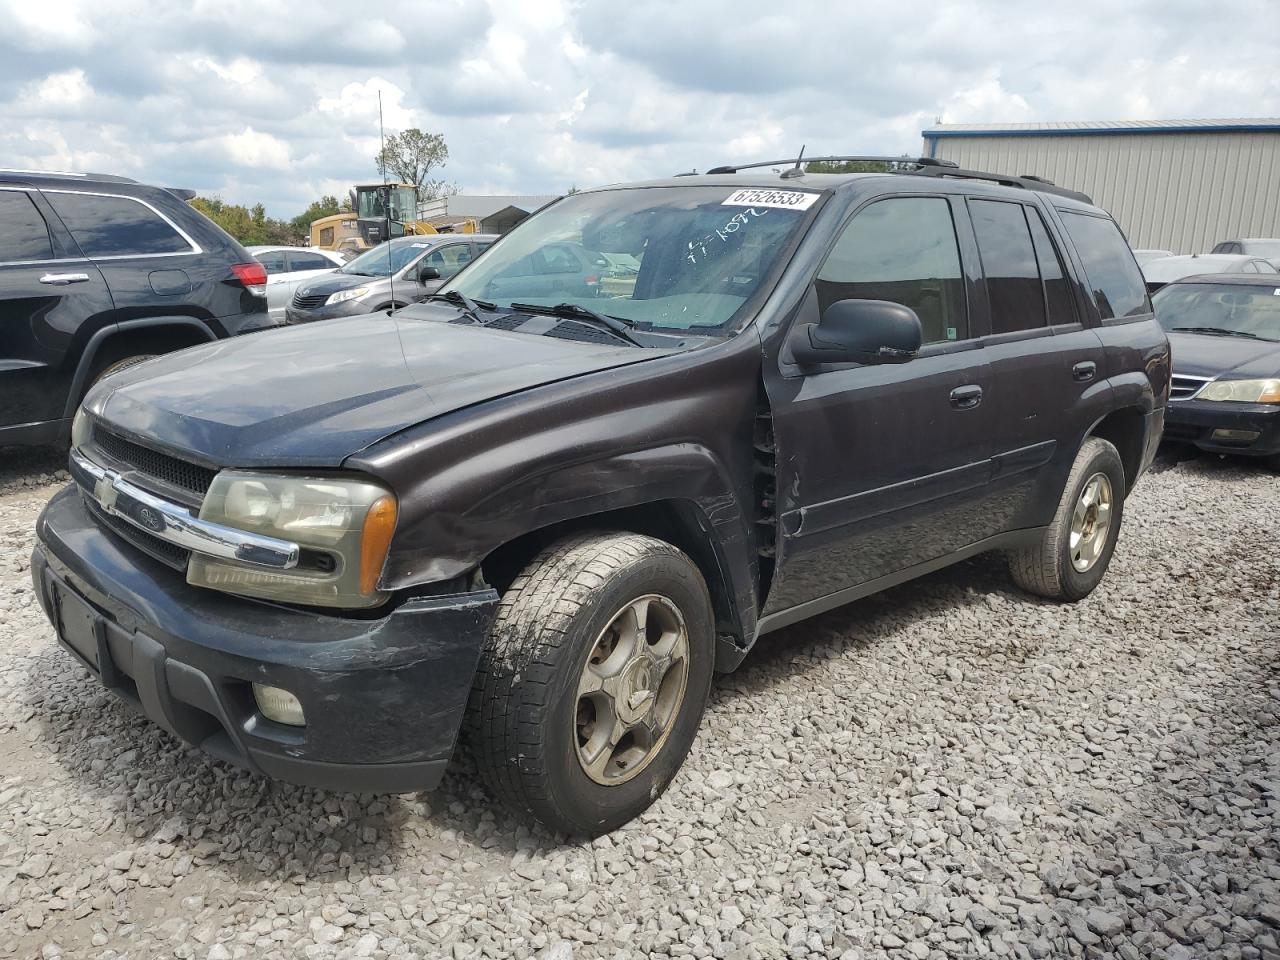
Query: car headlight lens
point(1242, 391)
point(342, 296)
point(81, 428)
point(343, 525)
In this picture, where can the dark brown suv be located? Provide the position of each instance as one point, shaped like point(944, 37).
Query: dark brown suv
point(549, 517)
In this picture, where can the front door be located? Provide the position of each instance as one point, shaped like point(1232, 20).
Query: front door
point(51, 302)
point(883, 468)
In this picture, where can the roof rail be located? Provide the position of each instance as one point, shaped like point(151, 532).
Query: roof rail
point(105, 177)
point(922, 167)
point(793, 161)
point(1026, 181)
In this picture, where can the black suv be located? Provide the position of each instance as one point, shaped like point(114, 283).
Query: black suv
point(97, 272)
point(322, 553)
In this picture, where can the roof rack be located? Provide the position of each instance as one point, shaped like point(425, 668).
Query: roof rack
point(796, 161)
point(1027, 181)
point(921, 167)
point(105, 177)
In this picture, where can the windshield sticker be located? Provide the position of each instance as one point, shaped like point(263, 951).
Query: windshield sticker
point(778, 199)
point(698, 248)
point(421, 246)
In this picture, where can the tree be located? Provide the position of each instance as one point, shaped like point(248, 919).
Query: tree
point(410, 156)
point(324, 207)
point(249, 226)
point(846, 166)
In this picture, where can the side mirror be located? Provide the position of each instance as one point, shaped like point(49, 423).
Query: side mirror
point(859, 331)
point(426, 273)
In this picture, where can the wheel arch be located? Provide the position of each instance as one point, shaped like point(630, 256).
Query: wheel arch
point(113, 342)
point(680, 522)
point(1126, 430)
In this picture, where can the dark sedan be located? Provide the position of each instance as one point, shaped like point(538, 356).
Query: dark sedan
point(1225, 334)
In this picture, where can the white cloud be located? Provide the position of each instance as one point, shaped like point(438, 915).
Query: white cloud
point(277, 102)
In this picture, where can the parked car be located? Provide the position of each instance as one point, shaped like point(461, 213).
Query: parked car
point(1146, 256)
point(313, 554)
point(1225, 334)
point(1266, 247)
point(1169, 269)
point(557, 270)
point(99, 272)
point(392, 274)
point(287, 267)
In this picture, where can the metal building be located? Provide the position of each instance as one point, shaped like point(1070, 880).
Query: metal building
point(1180, 185)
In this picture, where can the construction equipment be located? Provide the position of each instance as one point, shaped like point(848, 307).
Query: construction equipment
point(380, 211)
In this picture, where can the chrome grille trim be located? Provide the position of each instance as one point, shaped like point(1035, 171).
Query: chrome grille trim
point(1184, 387)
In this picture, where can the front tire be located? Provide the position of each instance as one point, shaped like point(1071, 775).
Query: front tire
point(1075, 549)
point(591, 689)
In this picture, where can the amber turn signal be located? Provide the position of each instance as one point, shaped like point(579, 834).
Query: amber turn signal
point(379, 525)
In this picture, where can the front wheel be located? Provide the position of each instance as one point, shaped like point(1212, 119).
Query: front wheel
point(1075, 549)
point(591, 689)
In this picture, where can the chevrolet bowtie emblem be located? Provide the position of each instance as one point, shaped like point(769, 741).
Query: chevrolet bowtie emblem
point(104, 491)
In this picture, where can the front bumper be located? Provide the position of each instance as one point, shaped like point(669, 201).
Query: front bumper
point(383, 698)
point(1194, 421)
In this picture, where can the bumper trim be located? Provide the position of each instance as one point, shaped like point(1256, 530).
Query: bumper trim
point(176, 524)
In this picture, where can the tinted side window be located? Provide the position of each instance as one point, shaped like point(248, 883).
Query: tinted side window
point(308, 261)
point(903, 250)
point(272, 261)
point(1009, 263)
point(1117, 286)
point(1057, 288)
point(23, 233)
point(115, 226)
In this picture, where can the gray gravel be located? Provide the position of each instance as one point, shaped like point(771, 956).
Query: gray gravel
point(948, 770)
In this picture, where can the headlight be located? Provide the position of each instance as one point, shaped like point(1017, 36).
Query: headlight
point(81, 428)
point(344, 527)
point(342, 296)
point(1242, 391)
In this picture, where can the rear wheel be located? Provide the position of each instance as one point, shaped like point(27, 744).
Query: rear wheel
point(592, 687)
point(1075, 549)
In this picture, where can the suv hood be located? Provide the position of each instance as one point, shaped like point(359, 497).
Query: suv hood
point(315, 394)
point(1210, 355)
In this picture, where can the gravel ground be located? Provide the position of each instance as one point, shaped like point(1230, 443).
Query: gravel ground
point(950, 769)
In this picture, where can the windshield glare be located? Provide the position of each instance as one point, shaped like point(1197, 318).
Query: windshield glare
point(374, 263)
point(663, 258)
point(1249, 310)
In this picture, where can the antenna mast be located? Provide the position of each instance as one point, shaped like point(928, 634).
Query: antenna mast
point(386, 202)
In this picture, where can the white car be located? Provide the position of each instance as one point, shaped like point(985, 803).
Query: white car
point(289, 266)
point(1146, 256)
point(1168, 269)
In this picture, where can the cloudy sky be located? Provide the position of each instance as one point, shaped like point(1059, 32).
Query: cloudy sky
point(276, 100)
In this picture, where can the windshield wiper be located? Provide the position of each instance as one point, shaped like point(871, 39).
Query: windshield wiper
point(1218, 331)
point(576, 311)
point(470, 308)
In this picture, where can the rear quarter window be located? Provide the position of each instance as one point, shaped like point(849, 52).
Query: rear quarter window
point(114, 226)
point(1114, 279)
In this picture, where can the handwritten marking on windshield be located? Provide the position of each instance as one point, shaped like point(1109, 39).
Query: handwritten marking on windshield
point(698, 248)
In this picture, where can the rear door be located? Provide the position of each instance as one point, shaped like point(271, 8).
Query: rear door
point(881, 468)
point(52, 301)
point(1048, 384)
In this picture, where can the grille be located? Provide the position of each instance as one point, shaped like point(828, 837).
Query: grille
point(1184, 388)
point(151, 463)
point(167, 553)
point(309, 302)
point(1181, 431)
point(572, 330)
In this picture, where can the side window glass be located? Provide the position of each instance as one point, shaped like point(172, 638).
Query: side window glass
point(1009, 264)
point(115, 226)
point(272, 261)
point(1118, 287)
point(24, 236)
point(1057, 288)
point(308, 261)
point(904, 250)
point(560, 260)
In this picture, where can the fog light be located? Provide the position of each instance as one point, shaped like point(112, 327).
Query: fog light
point(279, 705)
point(1223, 433)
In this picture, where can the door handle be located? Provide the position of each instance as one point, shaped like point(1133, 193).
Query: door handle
point(62, 279)
point(966, 397)
point(1084, 370)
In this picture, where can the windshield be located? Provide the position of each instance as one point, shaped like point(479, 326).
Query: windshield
point(1251, 311)
point(369, 203)
point(374, 263)
point(662, 258)
point(1175, 268)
